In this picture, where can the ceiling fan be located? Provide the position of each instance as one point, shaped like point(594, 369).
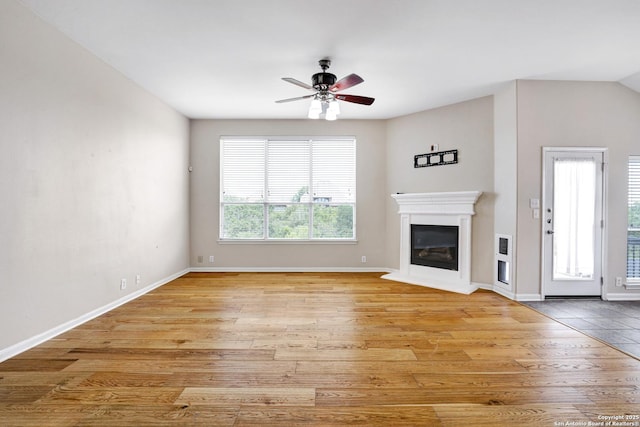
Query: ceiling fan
point(325, 99)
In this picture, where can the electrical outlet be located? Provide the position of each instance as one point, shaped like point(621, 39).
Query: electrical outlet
point(137, 279)
point(618, 281)
point(123, 284)
point(364, 258)
point(211, 259)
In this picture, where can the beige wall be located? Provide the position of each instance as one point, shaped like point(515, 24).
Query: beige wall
point(505, 175)
point(467, 127)
point(571, 114)
point(370, 193)
point(93, 181)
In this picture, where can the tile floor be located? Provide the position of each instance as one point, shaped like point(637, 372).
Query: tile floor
point(615, 322)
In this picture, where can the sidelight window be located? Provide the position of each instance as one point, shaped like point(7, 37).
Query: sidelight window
point(633, 221)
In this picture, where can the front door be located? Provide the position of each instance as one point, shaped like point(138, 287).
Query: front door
point(572, 222)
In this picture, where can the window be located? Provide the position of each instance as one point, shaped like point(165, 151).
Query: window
point(633, 224)
point(287, 189)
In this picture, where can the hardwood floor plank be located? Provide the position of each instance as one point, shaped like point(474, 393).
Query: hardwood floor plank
point(118, 415)
point(348, 354)
point(501, 380)
point(508, 415)
point(451, 395)
point(333, 367)
point(316, 349)
point(143, 396)
point(581, 364)
point(368, 415)
point(152, 344)
point(275, 343)
point(48, 379)
point(248, 396)
point(30, 415)
point(22, 394)
point(30, 365)
point(589, 351)
point(616, 395)
point(168, 365)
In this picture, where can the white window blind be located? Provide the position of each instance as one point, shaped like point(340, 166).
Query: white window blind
point(243, 171)
point(334, 171)
point(634, 182)
point(633, 227)
point(288, 189)
point(288, 169)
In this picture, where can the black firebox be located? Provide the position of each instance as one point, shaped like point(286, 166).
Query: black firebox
point(435, 246)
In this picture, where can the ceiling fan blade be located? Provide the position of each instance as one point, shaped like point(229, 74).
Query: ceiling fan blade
point(298, 98)
point(365, 100)
point(346, 82)
point(297, 83)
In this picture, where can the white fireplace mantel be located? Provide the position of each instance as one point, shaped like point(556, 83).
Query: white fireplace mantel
point(445, 208)
point(452, 203)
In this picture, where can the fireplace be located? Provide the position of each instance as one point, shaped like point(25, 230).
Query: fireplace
point(434, 246)
point(435, 240)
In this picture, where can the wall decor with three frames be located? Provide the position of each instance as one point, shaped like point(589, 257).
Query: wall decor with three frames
point(440, 158)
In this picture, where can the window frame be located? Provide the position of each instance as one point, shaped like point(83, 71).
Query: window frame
point(268, 204)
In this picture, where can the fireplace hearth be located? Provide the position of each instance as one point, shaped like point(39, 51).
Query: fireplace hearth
point(435, 240)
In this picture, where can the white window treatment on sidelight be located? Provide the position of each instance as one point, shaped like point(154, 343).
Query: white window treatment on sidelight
point(633, 224)
point(574, 218)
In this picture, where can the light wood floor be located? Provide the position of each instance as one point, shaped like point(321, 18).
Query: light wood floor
point(317, 349)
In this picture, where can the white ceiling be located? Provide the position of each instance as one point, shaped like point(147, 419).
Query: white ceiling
point(225, 58)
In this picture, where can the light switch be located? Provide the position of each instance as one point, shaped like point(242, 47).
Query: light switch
point(534, 203)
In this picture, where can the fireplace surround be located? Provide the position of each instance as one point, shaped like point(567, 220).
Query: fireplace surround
point(439, 212)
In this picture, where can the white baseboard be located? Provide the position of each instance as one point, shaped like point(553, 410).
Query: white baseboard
point(623, 297)
point(289, 270)
point(25, 345)
point(485, 286)
point(465, 289)
point(500, 291)
point(529, 297)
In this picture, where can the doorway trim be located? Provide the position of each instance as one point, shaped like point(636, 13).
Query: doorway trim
point(605, 223)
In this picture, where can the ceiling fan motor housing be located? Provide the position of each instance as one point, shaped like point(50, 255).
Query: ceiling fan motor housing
point(323, 81)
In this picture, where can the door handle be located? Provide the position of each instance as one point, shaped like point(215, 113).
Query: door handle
point(549, 231)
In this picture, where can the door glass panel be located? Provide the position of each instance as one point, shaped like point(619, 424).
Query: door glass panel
point(574, 219)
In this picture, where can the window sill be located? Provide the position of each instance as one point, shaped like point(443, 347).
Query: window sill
point(286, 242)
point(632, 284)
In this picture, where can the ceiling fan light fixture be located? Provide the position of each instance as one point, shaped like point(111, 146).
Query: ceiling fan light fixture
point(330, 115)
point(315, 109)
point(314, 114)
point(334, 106)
